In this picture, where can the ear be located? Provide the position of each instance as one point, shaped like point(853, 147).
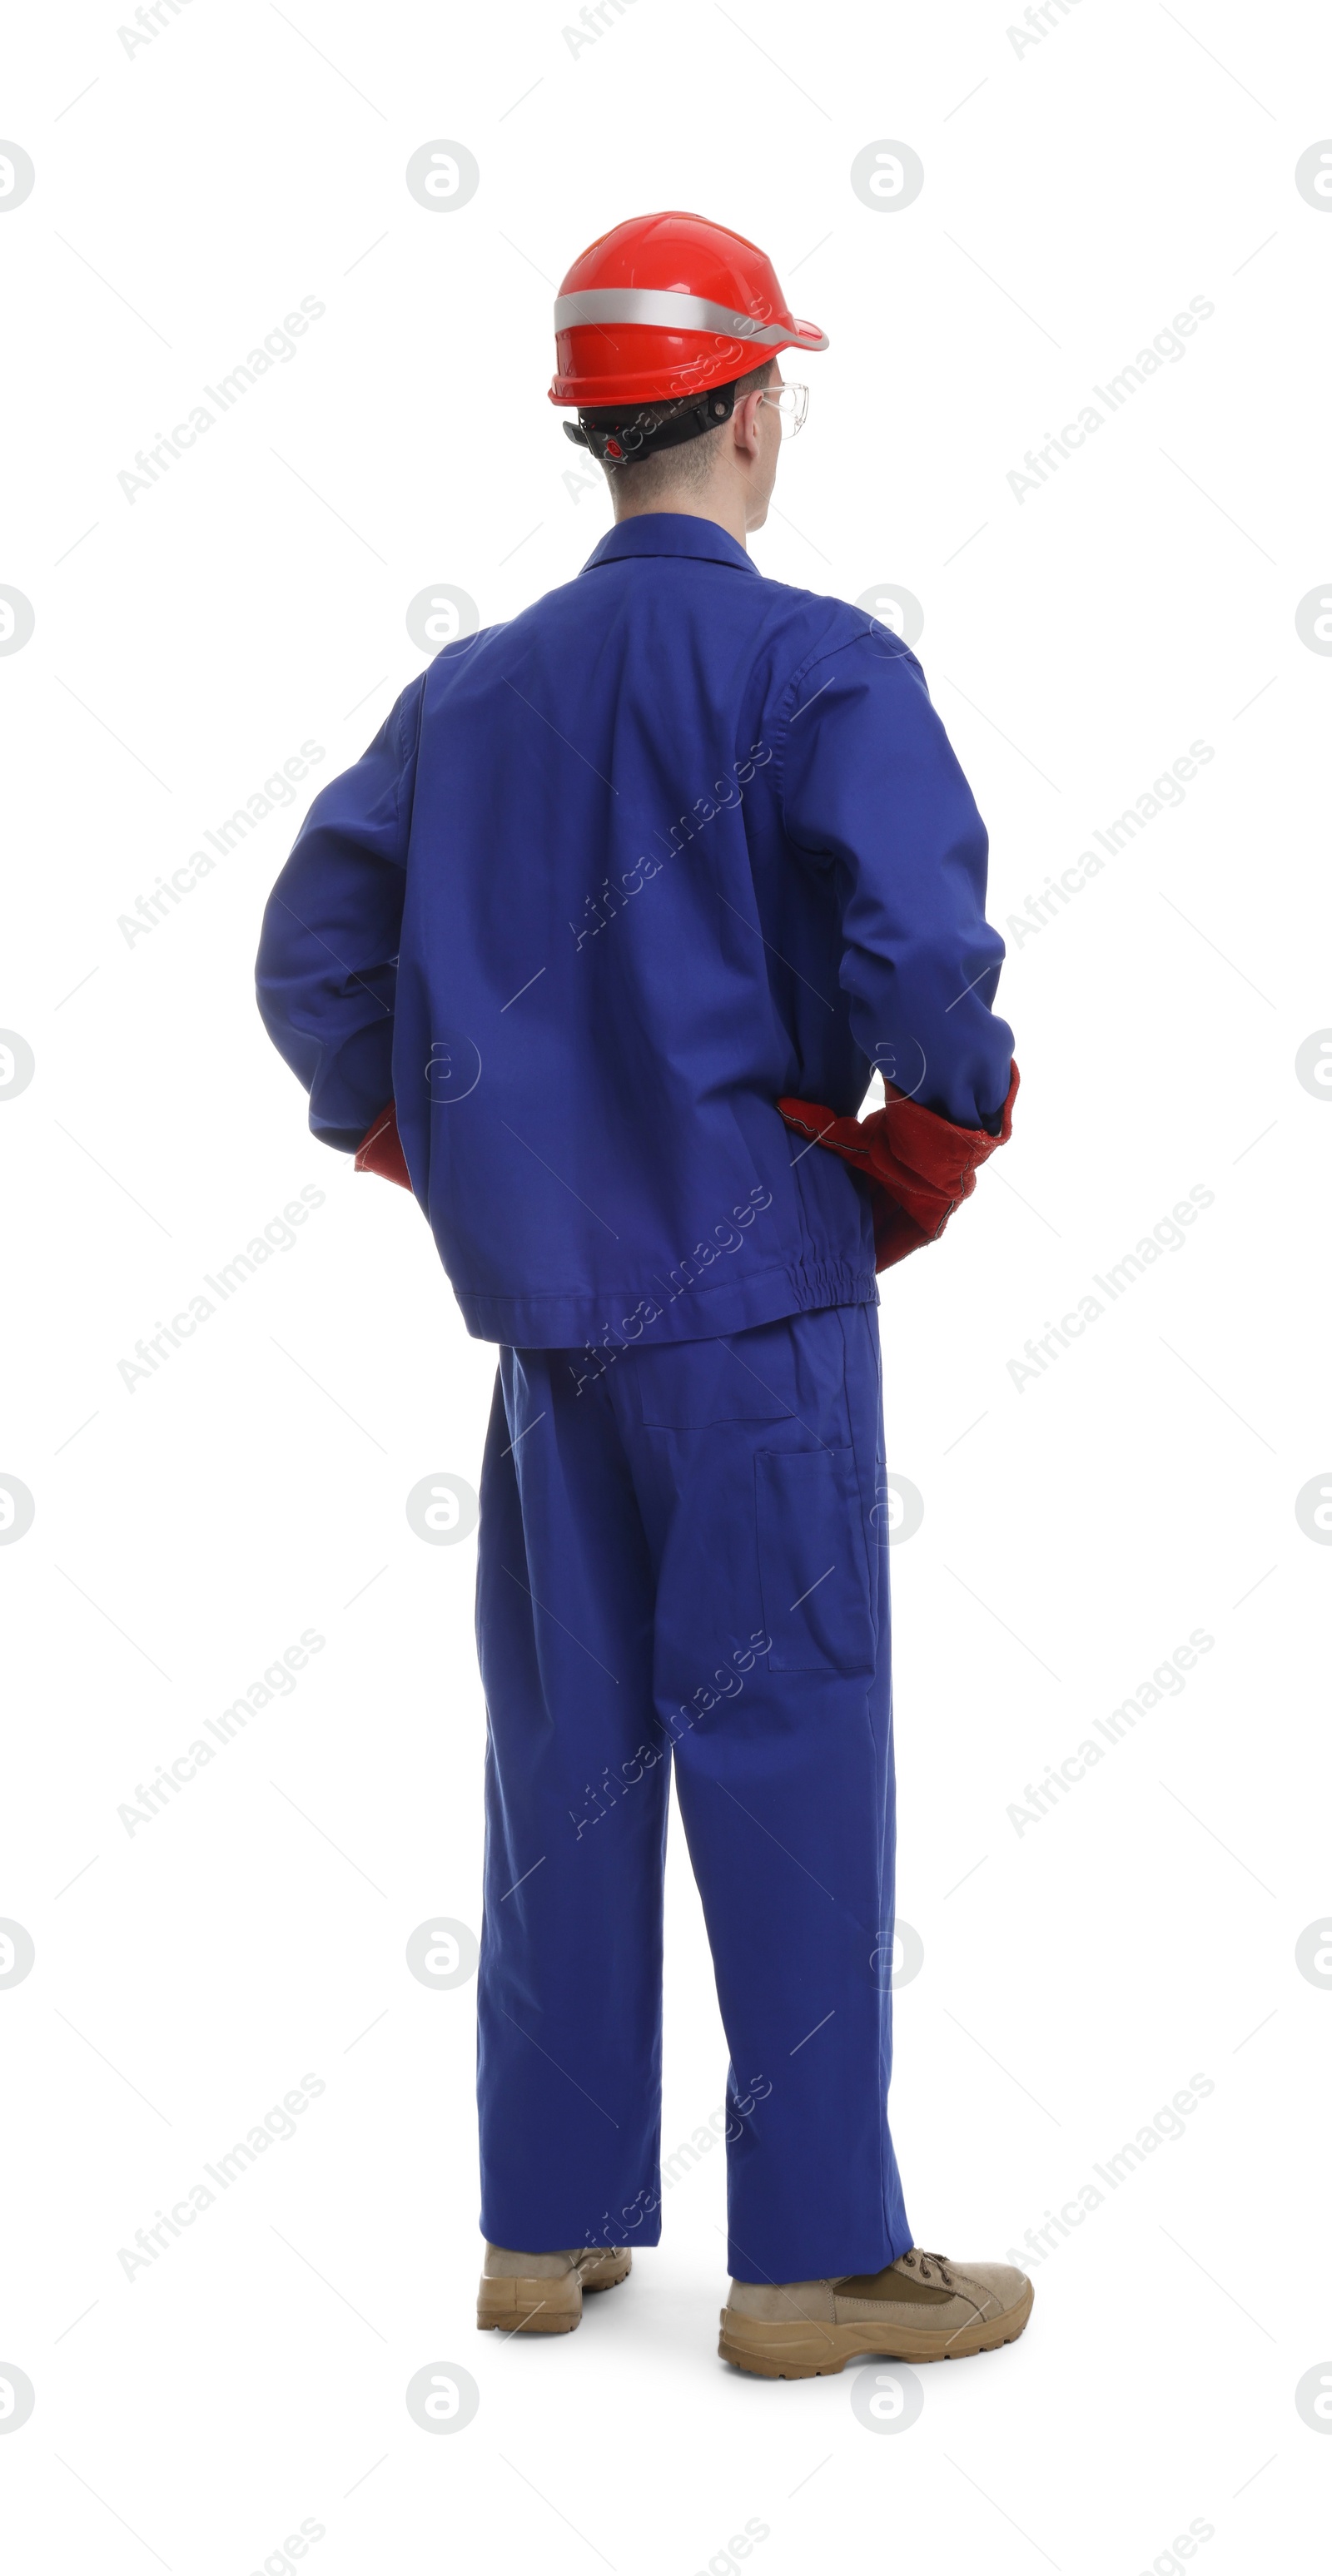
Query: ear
point(744, 425)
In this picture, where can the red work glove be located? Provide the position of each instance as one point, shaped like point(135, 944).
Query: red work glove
point(380, 1149)
point(918, 1165)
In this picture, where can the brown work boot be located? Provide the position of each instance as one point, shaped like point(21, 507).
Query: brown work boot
point(922, 2308)
point(543, 2293)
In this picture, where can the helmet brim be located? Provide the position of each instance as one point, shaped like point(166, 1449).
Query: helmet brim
point(652, 365)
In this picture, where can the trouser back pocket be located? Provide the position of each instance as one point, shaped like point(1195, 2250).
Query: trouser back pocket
point(813, 1561)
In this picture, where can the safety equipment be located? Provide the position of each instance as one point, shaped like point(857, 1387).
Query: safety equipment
point(616, 436)
point(543, 2293)
point(663, 309)
point(619, 438)
point(921, 2308)
point(791, 403)
point(380, 1149)
point(919, 1166)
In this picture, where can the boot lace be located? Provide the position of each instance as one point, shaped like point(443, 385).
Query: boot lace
point(925, 2266)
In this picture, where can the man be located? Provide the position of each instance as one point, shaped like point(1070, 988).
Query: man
point(598, 948)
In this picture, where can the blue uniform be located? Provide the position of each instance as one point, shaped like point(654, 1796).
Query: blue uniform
point(613, 878)
point(676, 843)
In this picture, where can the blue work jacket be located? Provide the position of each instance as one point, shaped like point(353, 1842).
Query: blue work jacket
point(612, 879)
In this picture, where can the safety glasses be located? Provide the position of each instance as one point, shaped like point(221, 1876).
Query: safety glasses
point(790, 402)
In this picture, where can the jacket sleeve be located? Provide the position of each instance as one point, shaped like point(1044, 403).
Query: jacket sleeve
point(872, 790)
point(919, 1166)
point(326, 973)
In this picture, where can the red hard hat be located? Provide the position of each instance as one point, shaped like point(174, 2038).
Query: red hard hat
point(664, 306)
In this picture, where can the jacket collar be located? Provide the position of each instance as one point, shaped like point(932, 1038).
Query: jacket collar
point(671, 532)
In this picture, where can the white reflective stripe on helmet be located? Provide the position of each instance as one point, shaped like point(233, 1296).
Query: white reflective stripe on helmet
point(668, 312)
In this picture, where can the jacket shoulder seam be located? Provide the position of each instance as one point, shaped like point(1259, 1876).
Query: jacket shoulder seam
point(825, 651)
point(407, 750)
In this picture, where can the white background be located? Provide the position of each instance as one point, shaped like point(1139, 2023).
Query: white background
point(1077, 195)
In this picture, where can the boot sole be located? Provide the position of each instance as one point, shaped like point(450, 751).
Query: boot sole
point(772, 2351)
point(610, 2280)
point(540, 2307)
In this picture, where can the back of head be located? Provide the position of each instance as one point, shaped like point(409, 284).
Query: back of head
point(665, 327)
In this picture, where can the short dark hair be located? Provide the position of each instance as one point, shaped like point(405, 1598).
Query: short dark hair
point(692, 462)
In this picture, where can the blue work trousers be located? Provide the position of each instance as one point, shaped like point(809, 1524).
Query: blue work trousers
point(683, 1556)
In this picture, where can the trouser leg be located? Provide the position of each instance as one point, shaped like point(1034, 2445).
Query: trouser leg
point(760, 1492)
point(569, 1982)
